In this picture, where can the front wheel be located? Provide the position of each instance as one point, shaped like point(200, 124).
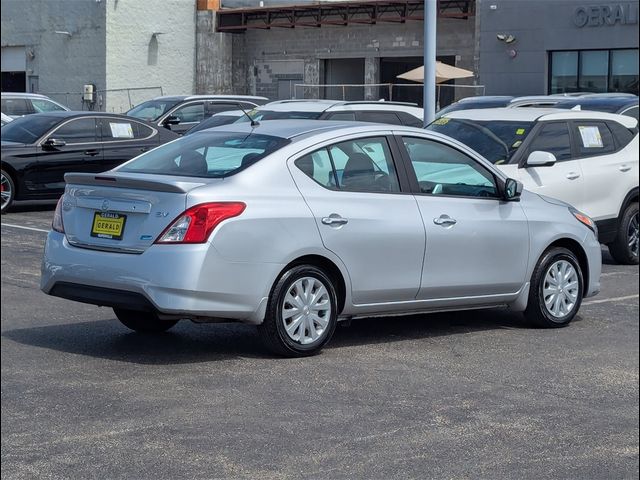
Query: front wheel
point(557, 287)
point(624, 249)
point(302, 312)
point(143, 322)
point(7, 191)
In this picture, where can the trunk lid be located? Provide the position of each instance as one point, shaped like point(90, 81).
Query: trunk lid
point(122, 212)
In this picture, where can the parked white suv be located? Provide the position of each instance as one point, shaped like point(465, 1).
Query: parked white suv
point(18, 104)
point(585, 158)
point(394, 113)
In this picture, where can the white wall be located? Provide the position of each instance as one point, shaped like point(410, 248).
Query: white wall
point(131, 60)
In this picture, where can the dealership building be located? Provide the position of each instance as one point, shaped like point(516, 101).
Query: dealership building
point(308, 49)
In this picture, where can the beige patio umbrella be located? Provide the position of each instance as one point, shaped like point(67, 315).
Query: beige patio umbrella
point(444, 72)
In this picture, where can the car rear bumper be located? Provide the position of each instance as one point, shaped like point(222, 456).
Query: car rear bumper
point(593, 252)
point(188, 281)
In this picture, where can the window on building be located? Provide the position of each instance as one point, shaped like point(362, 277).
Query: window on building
point(593, 71)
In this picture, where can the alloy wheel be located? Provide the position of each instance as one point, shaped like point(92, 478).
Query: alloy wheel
point(632, 235)
point(560, 290)
point(6, 192)
point(306, 310)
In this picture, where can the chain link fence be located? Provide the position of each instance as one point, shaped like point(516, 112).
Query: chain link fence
point(410, 92)
point(113, 100)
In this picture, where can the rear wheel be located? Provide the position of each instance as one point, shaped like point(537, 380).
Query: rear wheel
point(556, 290)
point(624, 249)
point(143, 322)
point(7, 191)
point(302, 312)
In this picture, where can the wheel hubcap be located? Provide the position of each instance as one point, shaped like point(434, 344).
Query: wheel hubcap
point(632, 235)
point(5, 190)
point(306, 310)
point(561, 289)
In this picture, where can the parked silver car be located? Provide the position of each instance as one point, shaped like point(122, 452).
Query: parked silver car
point(293, 225)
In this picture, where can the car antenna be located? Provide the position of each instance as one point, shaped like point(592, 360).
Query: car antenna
point(254, 123)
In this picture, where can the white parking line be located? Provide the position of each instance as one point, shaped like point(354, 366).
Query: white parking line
point(615, 299)
point(25, 228)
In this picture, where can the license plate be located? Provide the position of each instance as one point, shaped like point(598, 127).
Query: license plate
point(108, 225)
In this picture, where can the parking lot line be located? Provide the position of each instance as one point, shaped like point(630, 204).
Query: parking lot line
point(615, 299)
point(25, 228)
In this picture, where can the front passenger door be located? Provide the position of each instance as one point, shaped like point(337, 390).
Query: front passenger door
point(81, 148)
point(477, 243)
point(189, 115)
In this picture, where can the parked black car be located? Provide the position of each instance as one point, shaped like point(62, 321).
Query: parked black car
point(180, 113)
point(623, 105)
point(37, 150)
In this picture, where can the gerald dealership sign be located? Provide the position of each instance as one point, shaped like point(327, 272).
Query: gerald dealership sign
point(600, 15)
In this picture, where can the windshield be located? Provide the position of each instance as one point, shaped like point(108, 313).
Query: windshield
point(152, 110)
point(271, 115)
point(215, 121)
point(206, 154)
point(495, 140)
point(28, 129)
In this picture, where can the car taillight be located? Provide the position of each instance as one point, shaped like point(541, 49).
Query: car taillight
point(196, 224)
point(57, 223)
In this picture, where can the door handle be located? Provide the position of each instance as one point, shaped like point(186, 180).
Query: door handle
point(445, 221)
point(91, 153)
point(573, 175)
point(624, 168)
point(334, 220)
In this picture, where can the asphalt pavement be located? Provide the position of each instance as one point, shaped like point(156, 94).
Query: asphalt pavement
point(474, 395)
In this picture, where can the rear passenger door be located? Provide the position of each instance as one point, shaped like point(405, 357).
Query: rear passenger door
point(610, 170)
point(364, 217)
point(122, 140)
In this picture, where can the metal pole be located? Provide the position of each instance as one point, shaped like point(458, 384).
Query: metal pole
point(429, 90)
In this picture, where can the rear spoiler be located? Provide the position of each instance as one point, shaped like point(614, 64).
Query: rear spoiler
point(119, 180)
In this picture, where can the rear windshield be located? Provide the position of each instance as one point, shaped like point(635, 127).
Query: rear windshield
point(495, 140)
point(206, 154)
point(271, 115)
point(28, 129)
point(152, 110)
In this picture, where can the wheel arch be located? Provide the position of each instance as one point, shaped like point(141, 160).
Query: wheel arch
point(14, 176)
point(327, 266)
point(574, 247)
point(631, 197)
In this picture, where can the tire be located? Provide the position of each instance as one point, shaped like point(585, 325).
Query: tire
point(553, 263)
point(143, 322)
point(8, 190)
point(624, 249)
point(282, 324)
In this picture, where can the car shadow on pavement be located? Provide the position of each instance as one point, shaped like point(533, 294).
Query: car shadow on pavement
point(189, 343)
point(33, 206)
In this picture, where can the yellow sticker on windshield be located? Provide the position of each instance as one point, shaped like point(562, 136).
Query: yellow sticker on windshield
point(520, 131)
point(441, 121)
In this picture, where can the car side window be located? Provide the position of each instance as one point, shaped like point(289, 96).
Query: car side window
point(553, 138)
point(318, 166)
point(362, 165)
point(16, 107)
point(41, 105)
point(622, 135)
point(443, 170)
point(193, 113)
point(593, 138)
point(81, 130)
point(115, 129)
point(379, 117)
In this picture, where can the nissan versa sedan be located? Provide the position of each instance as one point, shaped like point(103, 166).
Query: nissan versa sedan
point(295, 225)
point(37, 150)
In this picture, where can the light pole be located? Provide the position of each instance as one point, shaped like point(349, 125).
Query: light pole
point(429, 80)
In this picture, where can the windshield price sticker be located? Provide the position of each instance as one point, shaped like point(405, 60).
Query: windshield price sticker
point(520, 131)
point(121, 130)
point(441, 121)
point(591, 137)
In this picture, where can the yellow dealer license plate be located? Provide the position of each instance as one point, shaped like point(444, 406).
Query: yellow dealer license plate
point(108, 225)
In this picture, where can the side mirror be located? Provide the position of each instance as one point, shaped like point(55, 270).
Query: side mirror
point(541, 159)
point(171, 120)
point(51, 143)
point(512, 190)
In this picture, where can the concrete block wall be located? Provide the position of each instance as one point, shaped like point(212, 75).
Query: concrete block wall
point(58, 62)
point(149, 43)
point(309, 47)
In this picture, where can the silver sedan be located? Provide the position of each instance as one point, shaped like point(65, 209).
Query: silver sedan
point(296, 225)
